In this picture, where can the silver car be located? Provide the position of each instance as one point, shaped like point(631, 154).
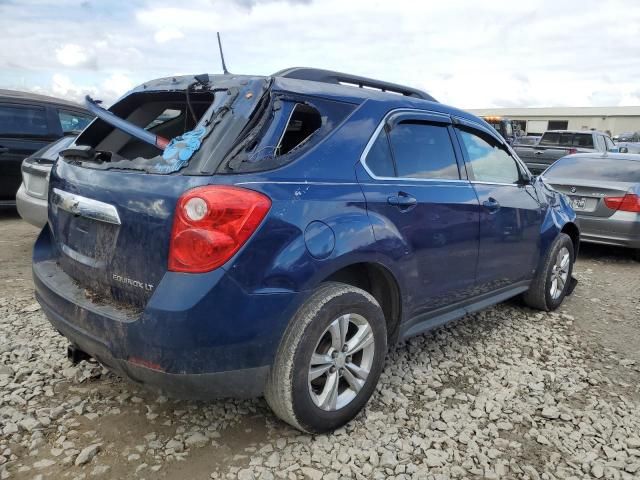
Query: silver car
point(605, 193)
point(31, 199)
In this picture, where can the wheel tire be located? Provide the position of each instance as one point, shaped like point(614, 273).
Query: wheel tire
point(636, 255)
point(288, 387)
point(539, 294)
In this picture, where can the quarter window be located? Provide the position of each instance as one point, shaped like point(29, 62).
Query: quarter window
point(489, 161)
point(379, 158)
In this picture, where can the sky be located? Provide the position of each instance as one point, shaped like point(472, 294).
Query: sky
point(466, 53)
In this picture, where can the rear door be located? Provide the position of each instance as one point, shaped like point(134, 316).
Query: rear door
point(511, 215)
point(424, 213)
point(24, 129)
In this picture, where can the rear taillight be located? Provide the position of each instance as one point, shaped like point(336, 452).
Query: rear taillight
point(211, 224)
point(572, 151)
point(629, 203)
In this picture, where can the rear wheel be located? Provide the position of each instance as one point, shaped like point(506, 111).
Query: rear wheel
point(329, 360)
point(552, 281)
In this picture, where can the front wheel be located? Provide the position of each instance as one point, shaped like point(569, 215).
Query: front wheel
point(329, 360)
point(552, 281)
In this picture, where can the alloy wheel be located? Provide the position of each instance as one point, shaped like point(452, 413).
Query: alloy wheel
point(341, 362)
point(560, 273)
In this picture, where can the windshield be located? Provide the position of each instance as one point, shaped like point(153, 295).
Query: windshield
point(603, 169)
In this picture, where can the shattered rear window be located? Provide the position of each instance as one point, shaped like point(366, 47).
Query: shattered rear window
point(168, 115)
point(288, 126)
point(232, 125)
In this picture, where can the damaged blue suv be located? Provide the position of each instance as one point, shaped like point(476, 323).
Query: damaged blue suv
point(241, 235)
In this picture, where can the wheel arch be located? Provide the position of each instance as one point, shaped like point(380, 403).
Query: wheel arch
point(572, 230)
point(380, 282)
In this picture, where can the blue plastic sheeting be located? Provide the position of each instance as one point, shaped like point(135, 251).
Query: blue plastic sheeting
point(180, 150)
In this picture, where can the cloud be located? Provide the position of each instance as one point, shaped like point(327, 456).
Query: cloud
point(72, 55)
point(116, 85)
point(108, 90)
point(253, 3)
point(605, 98)
point(466, 53)
point(167, 34)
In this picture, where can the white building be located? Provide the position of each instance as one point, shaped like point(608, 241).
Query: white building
point(534, 121)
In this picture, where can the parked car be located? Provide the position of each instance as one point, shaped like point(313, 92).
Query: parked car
point(628, 142)
point(29, 122)
point(526, 140)
point(555, 144)
point(31, 199)
point(605, 193)
point(633, 137)
point(291, 229)
point(624, 147)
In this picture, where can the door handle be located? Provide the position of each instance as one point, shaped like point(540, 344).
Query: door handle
point(403, 201)
point(491, 204)
point(4, 149)
point(538, 153)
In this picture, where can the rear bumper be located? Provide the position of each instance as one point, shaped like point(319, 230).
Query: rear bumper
point(242, 383)
point(620, 229)
point(31, 209)
point(199, 336)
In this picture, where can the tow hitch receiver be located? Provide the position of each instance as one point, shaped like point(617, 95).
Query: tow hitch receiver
point(76, 355)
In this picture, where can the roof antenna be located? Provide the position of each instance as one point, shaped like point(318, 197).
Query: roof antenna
point(224, 66)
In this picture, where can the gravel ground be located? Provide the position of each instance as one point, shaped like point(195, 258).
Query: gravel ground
point(506, 393)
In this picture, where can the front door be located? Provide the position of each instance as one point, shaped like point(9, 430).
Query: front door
point(511, 216)
point(424, 213)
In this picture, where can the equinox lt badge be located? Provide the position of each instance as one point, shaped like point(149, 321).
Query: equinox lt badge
point(134, 283)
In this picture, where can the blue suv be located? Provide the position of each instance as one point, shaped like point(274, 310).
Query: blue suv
point(241, 235)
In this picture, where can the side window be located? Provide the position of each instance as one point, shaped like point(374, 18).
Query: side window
point(422, 150)
point(489, 161)
point(379, 158)
point(23, 120)
point(72, 122)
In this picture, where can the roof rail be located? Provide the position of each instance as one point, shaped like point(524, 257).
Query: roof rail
point(338, 78)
